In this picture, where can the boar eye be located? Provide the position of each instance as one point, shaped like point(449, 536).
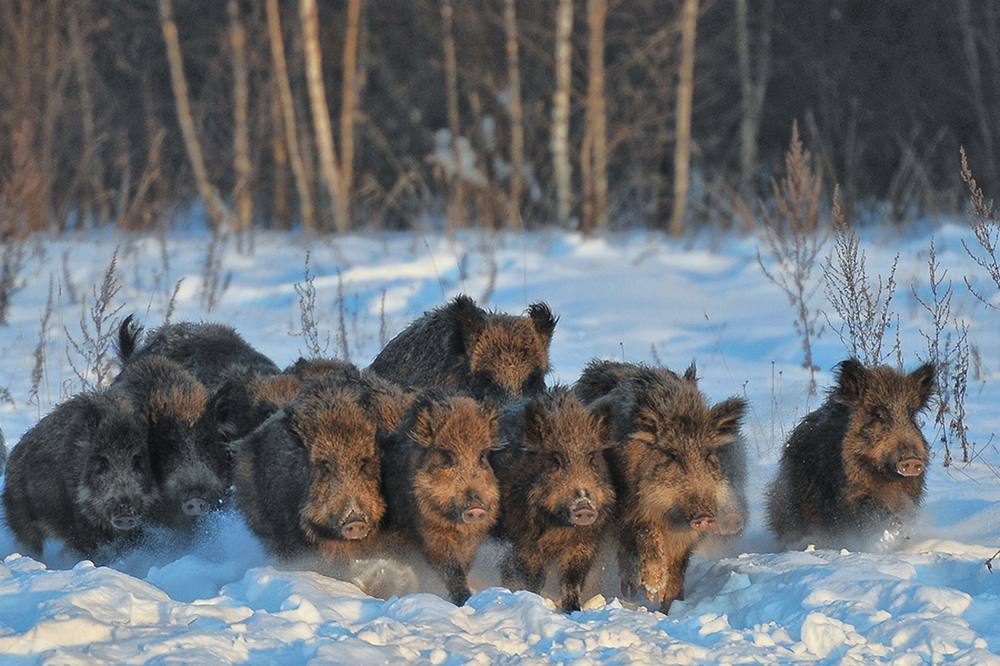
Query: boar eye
point(557, 460)
point(368, 468)
point(137, 462)
point(103, 464)
point(879, 415)
point(594, 459)
point(324, 468)
point(447, 459)
point(484, 460)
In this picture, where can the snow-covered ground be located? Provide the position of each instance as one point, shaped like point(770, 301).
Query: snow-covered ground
point(926, 598)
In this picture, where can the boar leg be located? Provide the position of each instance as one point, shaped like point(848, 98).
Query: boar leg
point(573, 570)
point(628, 561)
point(456, 580)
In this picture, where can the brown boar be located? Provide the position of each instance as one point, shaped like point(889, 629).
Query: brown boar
point(492, 356)
point(555, 491)
point(81, 475)
point(440, 490)
point(191, 475)
point(204, 349)
point(309, 478)
point(666, 467)
point(854, 466)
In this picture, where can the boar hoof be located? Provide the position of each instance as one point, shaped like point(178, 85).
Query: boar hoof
point(474, 515)
point(703, 523)
point(355, 529)
point(910, 467)
point(195, 506)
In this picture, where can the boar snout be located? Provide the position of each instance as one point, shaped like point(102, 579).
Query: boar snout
point(355, 527)
point(703, 523)
point(910, 467)
point(125, 517)
point(583, 512)
point(474, 512)
point(195, 506)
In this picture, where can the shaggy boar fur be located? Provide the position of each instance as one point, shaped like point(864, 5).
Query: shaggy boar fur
point(309, 478)
point(441, 492)
point(81, 475)
point(492, 356)
point(854, 466)
point(555, 490)
point(666, 466)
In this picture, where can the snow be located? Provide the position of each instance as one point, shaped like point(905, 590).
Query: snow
point(922, 596)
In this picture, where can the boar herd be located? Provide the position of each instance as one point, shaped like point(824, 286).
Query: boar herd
point(450, 436)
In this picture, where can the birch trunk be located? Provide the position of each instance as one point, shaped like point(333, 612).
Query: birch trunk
point(309, 15)
point(349, 103)
point(241, 130)
point(457, 212)
point(213, 206)
point(685, 95)
point(560, 112)
point(753, 74)
point(516, 117)
point(288, 116)
point(596, 214)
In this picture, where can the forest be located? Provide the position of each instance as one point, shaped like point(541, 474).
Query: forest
point(334, 115)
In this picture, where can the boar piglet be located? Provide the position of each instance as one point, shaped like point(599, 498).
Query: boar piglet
point(205, 349)
point(492, 356)
point(190, 475)
point(854, 467)
point(81, 475)
point(441, 492)
point(308, 479)
point(666, 466)
point(555, 490)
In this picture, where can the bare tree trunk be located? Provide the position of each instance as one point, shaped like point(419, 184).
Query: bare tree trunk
point(560, 112)
point(288, 116)
point(457, 215)
point(213, 206)
point(685, 95)
point(516, 117)
point(279, 153)
point(349, 104)
point(974, 70)
point(596, 147)
point(754, 74)
point(93, 171)
point(309, 15)
point(241, 134)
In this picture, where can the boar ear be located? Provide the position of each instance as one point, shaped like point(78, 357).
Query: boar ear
point(470, 318)
point(691, 374)
point(604, 422)
point(537, 427)
point(728, 415)
point(543, 319)
point(422, 431)
point(923, 379)
point(128, 337)
point(851, 380)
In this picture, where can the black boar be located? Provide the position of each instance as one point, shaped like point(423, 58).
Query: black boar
point(854, 466)
point(309, 478)
point(460, 347)
point(191, 476)
point(204, 349)
point(555, 490)
point(441, 492)
point(81, 475)
point(665, 463)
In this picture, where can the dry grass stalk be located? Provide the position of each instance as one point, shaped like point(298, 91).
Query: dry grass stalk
point(98, 332)
point(794, 239)
point(307, 315)
point(986, 229)
point(863, 307)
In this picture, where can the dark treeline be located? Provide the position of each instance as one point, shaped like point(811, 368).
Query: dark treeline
point(98, 128)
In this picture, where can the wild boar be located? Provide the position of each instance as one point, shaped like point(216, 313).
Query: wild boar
point(441, 493)
point(492, 356)
point(666, 467)
point(854, 466)
point(555, 490)
point(308, 479)
point(81, 475)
